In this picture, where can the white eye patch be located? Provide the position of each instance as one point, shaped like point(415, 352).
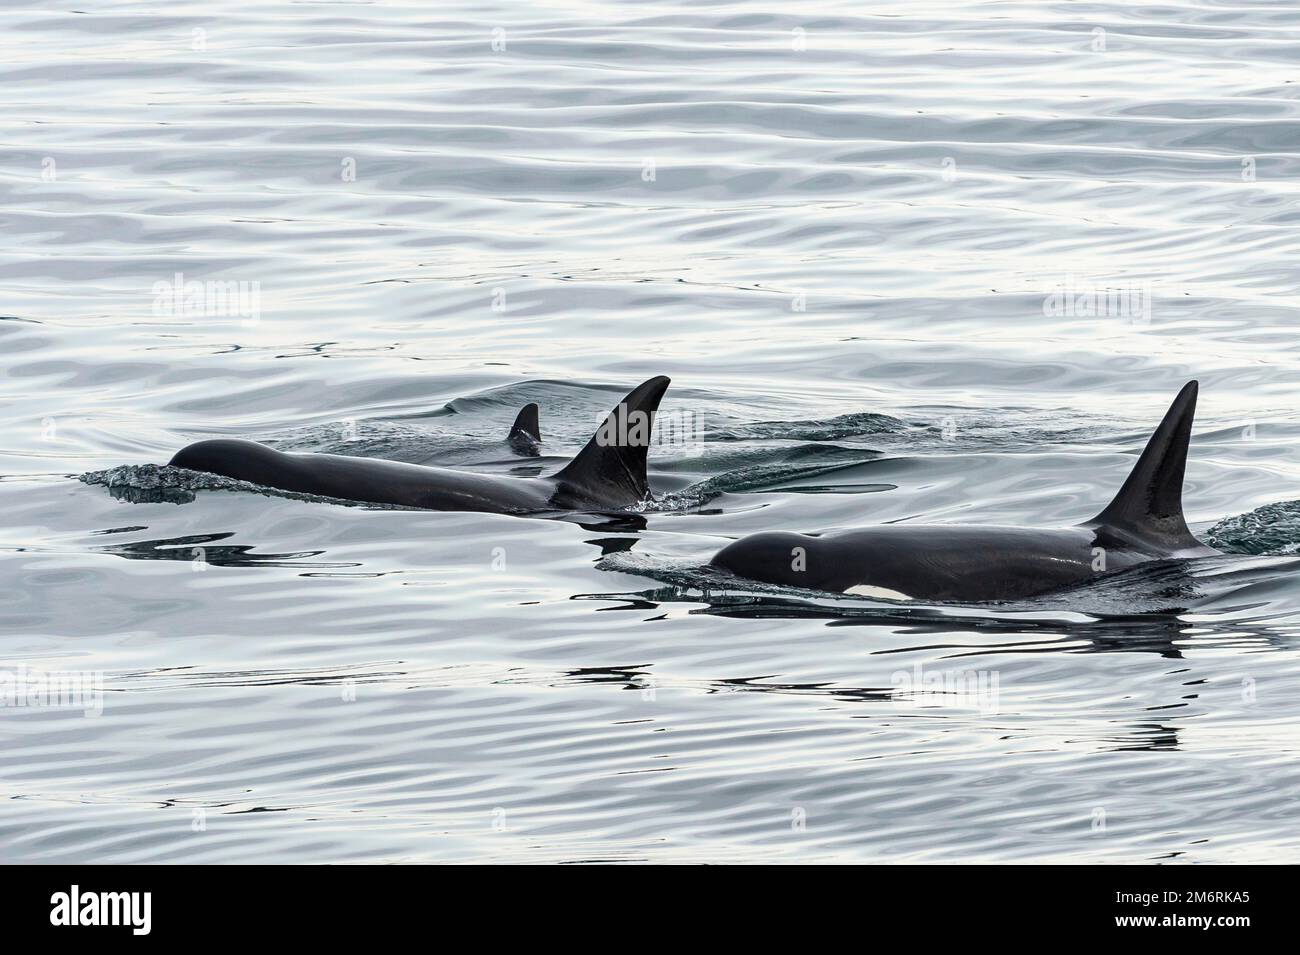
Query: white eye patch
point(866, 590)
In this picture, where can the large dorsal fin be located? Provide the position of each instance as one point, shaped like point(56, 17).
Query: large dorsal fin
point(611, 468)
point(526, 433)
point(1150, 504)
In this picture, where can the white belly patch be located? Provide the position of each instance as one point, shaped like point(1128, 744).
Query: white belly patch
point(866, 590)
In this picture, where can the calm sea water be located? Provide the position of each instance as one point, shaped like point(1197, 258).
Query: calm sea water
point(846, 236)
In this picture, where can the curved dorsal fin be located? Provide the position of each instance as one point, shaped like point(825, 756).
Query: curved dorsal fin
point(611, 468)
point(1150, 504)
point(526, 432)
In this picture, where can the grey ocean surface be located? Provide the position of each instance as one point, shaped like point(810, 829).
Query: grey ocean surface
point(839, 229)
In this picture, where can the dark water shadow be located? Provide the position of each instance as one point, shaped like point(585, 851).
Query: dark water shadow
point(202, 549)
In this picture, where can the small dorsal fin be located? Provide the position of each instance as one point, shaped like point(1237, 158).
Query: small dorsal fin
point(526, 432)
point(1150, 504)
point(611, 468)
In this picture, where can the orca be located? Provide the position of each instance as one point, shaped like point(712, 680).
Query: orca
point(525, 435)
point(609, 473)
point(977, 563)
